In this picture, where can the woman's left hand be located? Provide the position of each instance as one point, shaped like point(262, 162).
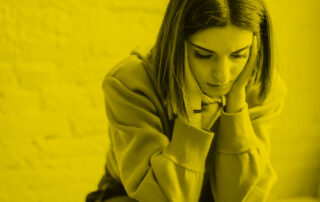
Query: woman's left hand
point(236, 97)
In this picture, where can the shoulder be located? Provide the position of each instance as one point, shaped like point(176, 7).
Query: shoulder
point(130, 94)
point(132, 72)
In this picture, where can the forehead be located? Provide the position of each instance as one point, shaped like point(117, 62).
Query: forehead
point(222, 39)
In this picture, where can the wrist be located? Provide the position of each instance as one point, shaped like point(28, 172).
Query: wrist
point(235, 101)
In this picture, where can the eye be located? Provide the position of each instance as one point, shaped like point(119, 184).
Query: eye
point(202, 56)
point(239, 56)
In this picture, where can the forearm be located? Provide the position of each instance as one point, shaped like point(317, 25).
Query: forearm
point(164, 173)
point(240, 163)
point(149, 165)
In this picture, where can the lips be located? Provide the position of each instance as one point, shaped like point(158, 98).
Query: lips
point(220, 86)
point(214, 90)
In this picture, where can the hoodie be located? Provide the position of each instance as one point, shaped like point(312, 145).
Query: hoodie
point(153, 156)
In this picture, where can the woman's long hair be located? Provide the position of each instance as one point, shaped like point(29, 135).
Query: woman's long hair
point(185, 17)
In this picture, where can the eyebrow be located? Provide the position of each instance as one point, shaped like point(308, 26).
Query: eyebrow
point(211, 51)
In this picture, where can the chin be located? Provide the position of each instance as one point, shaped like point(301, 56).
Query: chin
point(216, 92)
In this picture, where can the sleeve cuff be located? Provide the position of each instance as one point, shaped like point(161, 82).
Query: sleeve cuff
point(236, 134)
point(189, 146)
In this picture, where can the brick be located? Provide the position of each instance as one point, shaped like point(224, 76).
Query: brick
point(139, 5)
point(53, 57)
point(61, 148)
point(35, 75)
point(7, 74)
point(16, 100)
point(14, 187)
point(35, 124)
point(89, 123)
point(64, 97)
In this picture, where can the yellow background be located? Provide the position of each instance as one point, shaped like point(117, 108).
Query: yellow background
point(53, 57)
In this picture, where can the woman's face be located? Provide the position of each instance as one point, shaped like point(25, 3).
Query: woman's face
point(217, 56)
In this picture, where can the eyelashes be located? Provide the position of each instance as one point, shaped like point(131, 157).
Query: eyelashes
point(239, 56)
point(201, 56)
point(204, 56)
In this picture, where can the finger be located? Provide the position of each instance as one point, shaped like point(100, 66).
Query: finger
point(253, 54)
point(251, 63)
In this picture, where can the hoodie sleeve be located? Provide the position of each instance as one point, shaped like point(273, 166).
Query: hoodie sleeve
point(242, 169)
point(151, 167)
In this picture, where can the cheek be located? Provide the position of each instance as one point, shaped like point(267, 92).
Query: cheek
point(237, 68)
point(199, 69)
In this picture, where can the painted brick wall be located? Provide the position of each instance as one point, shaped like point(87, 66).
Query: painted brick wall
point(53, 57)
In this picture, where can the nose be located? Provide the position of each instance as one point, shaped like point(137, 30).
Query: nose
point(221, 71)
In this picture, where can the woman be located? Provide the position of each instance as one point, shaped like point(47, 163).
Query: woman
point(190, 120)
